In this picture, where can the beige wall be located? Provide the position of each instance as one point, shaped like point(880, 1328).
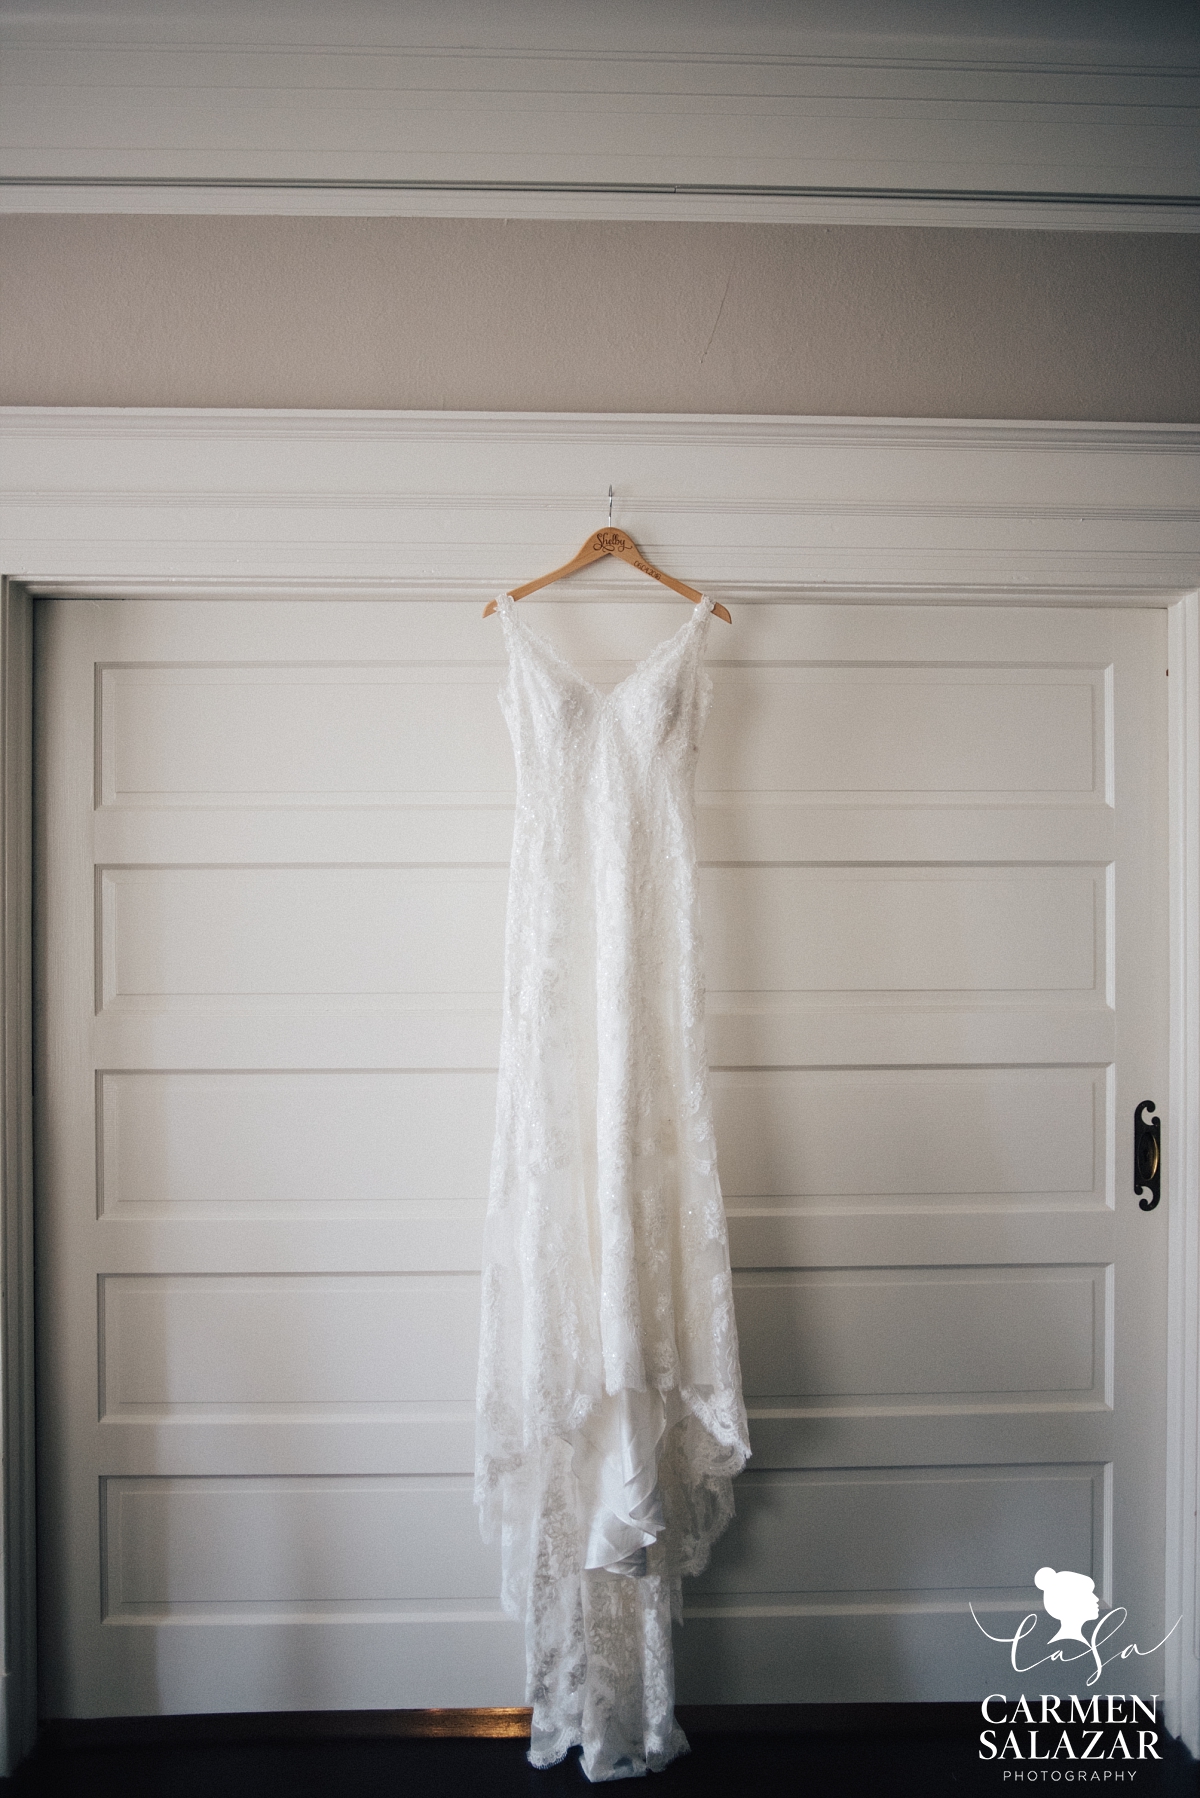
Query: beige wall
point(179, 311)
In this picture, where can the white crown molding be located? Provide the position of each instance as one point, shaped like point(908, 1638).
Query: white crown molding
point(453, 504)
point(749, 113)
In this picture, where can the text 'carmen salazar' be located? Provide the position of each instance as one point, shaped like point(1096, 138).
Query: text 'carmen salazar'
point(1112, 1726)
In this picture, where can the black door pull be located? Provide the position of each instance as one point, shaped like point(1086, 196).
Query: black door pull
point(1147, 1154)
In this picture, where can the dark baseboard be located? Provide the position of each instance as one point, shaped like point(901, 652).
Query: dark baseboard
point(66, 1733)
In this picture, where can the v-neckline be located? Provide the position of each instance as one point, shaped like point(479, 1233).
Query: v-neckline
point(703, 608)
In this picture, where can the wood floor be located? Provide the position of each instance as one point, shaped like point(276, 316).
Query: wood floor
point(802, 1765)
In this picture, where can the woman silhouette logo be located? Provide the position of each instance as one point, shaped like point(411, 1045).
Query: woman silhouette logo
point(1070, 1598)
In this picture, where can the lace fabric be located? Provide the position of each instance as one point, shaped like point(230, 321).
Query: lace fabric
point(610, 1421)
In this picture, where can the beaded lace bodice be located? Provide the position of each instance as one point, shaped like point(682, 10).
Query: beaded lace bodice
point(610, 1415)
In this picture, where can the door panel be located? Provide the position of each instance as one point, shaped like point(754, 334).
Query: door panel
point(270, 916)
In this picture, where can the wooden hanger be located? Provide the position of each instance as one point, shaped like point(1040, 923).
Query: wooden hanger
point(610, 542)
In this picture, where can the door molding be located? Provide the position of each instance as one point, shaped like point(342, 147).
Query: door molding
point(1183, 1150)
point(449, 504)
point(18, 1682)
point(396, 505)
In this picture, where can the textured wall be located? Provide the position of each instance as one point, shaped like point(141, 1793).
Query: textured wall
point(194, 311)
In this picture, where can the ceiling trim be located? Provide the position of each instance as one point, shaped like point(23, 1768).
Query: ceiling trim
point(718, 112)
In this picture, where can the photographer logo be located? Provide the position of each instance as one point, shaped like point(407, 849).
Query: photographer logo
point(1068, 1732)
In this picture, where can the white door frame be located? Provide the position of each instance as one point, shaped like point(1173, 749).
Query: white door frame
point(116, 503)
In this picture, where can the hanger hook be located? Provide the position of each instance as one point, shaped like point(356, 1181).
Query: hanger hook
point(610, 502)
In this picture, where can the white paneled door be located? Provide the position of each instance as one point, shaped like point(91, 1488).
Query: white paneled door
point(272, 849)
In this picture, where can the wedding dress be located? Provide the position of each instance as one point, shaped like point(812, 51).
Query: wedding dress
point(610, 1420)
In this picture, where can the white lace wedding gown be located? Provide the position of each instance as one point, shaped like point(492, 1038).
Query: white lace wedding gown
point(610, 1414)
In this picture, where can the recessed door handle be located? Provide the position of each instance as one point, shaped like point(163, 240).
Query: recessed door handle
point(1147, 1154)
